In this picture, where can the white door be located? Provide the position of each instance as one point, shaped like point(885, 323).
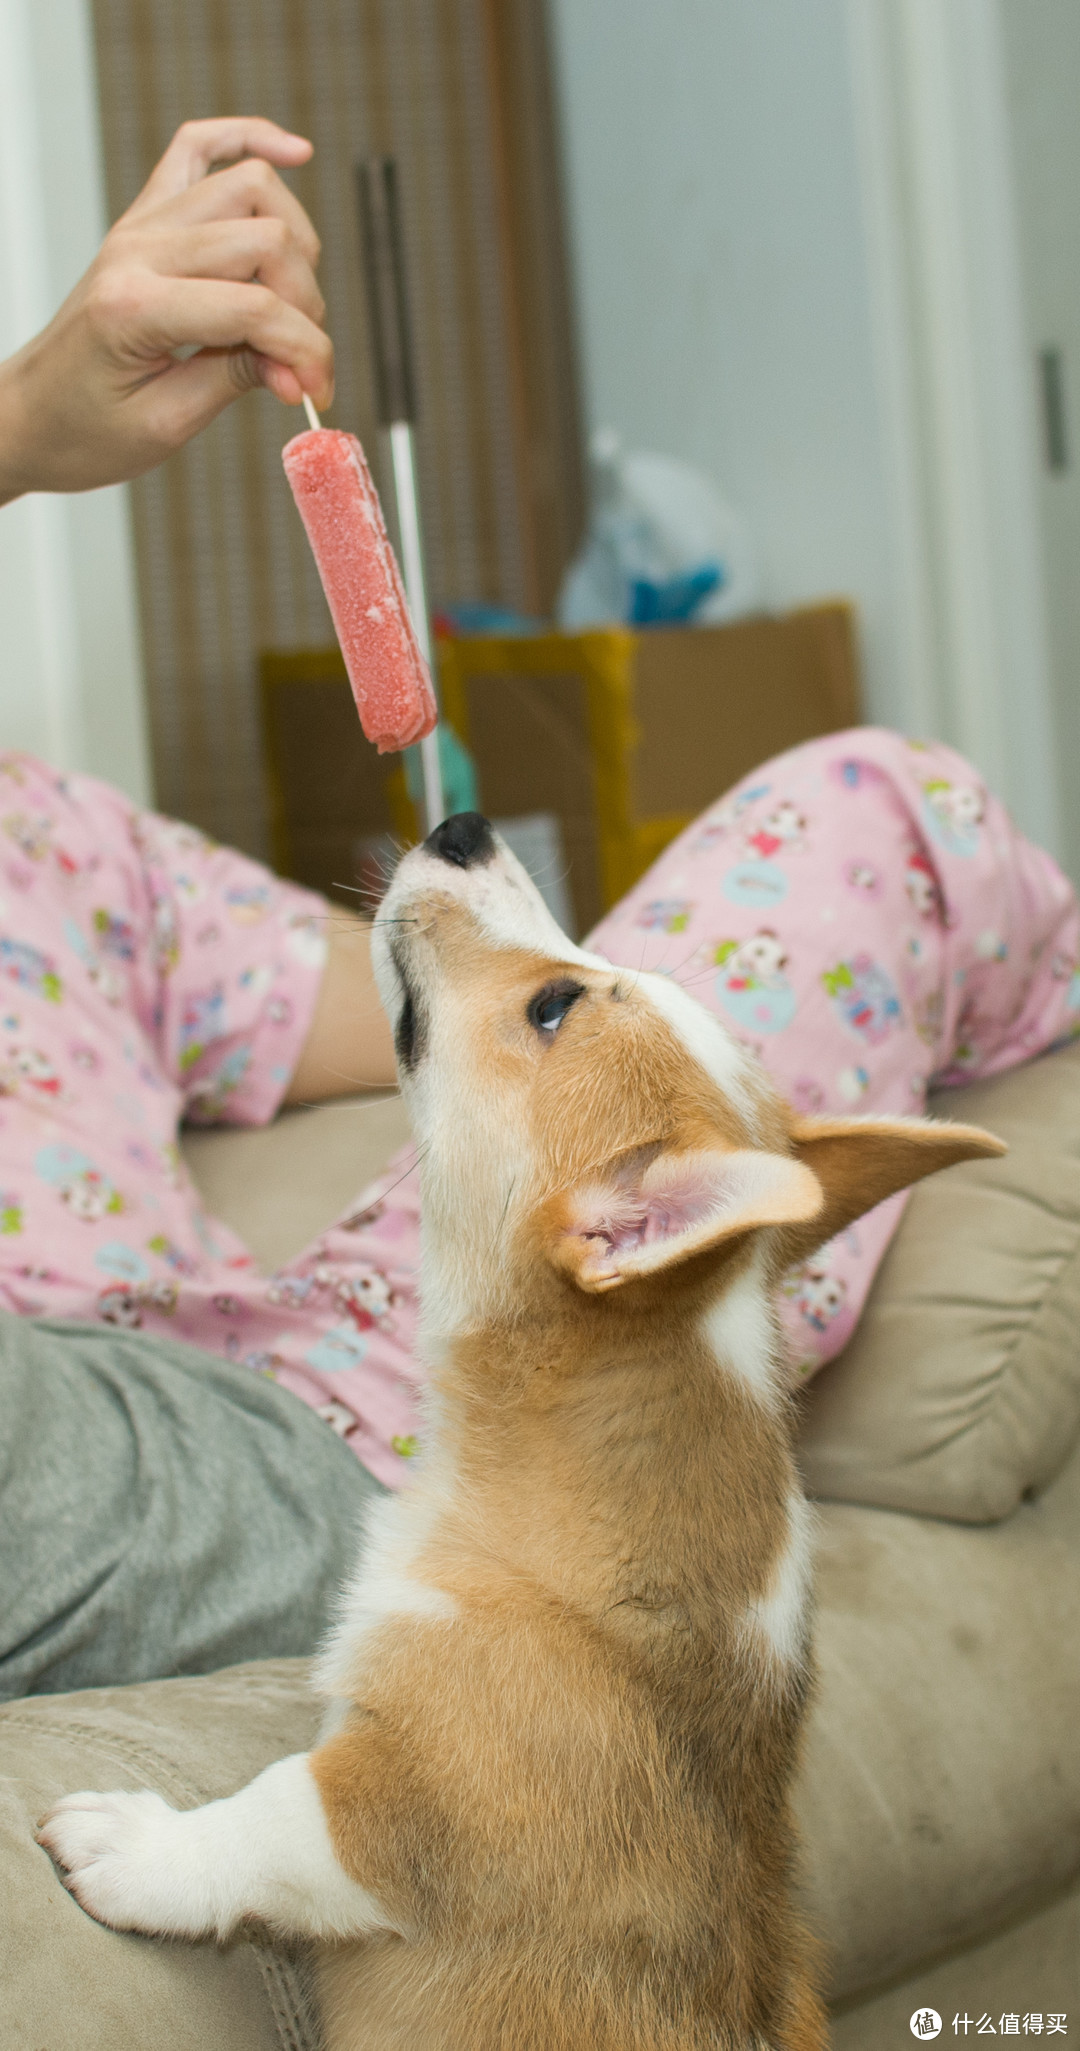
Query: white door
point(1042, 63)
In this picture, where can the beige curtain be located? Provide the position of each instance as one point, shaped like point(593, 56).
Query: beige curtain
point(458, 91)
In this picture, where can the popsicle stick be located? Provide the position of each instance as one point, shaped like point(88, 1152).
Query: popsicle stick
point(312, 416)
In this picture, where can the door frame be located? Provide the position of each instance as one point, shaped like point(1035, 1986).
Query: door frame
point(956, 389)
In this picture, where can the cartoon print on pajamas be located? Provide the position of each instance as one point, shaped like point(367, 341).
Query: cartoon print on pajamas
point(752, 985)
point(781, 831)
point(722, 820)
point(921, 885)
point(248, 904)
point(816, 1292)
point(202, 1020)
point(29, 1068)
point(208, 1096)
point(862, 877)
point(341, 1347)
point(756, 883)
point(124, 1263)
point(865, 997)
point(337, 1416)
point(32, 837)
point(367, 1297)
point(953, 814)
point(88, 1194)
point(115, 935)
point(666, 915)
point(167, 1250)
point(125, 1304)
point(292, 1291)
point(30, 969)
point(103, 976)
point(166, 932)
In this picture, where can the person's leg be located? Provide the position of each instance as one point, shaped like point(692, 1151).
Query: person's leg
point(161, 1511)
point(862, 913)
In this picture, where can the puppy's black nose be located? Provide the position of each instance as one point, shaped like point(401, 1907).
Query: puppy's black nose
point(465, 838)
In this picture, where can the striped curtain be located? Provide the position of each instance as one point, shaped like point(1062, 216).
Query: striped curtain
point(458, 91)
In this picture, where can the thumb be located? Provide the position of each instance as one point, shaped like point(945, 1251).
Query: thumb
point(187, 396)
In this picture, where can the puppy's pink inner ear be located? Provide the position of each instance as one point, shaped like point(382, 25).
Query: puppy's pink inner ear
point(662, 1206)
point(635, 1223)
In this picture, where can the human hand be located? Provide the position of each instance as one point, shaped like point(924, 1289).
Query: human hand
point(221, 263)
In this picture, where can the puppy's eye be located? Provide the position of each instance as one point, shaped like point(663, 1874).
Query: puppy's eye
point(551, 1004)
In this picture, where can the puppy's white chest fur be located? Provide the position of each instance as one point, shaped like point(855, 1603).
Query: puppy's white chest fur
point(385, 1585)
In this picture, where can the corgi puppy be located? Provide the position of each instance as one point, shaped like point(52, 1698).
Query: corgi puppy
point(549, 1810)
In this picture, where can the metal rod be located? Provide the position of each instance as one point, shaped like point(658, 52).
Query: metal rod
point(382, 249)
point(402, 456)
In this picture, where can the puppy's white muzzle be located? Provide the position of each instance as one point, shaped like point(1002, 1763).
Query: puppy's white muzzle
point(465, 863)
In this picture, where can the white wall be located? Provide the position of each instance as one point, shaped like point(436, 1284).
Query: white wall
point(716, 219)
point(796, 266)
point(70, 668)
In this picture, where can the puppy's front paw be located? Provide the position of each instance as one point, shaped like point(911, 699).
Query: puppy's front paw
point(116, 1856)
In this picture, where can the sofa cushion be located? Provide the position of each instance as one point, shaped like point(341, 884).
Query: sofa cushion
point(939, 1796)
point(960, 1391)
point(74, 1986)
point(280, 1185)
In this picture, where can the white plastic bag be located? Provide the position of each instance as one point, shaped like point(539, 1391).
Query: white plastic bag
point(663, 546)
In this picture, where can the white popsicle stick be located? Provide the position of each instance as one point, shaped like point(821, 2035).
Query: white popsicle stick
point(313, 418)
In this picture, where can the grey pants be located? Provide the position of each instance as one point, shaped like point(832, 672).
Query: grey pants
point(161, 1511)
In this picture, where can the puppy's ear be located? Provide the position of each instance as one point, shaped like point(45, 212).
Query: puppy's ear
point(861, 1161)
point(649, 1211)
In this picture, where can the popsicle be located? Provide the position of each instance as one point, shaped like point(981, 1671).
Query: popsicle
point(339, 506)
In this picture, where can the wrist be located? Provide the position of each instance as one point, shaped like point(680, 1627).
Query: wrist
point(17, 465)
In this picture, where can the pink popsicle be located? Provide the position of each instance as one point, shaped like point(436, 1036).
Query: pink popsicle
point(339, 506)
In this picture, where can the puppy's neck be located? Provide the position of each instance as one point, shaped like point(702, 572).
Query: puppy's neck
point(637, 1459)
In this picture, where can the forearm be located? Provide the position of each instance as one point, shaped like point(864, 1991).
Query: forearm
point(16, 453)
point(349, 1046)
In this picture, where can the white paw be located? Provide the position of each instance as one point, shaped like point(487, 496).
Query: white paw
point(118, 1853)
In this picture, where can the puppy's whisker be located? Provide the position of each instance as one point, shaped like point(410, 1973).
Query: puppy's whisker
point(421, 1154)
point(502, 1217)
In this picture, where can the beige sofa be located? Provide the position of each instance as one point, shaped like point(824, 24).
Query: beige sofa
point(940, 1794)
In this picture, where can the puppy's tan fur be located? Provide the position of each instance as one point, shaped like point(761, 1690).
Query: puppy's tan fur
point(571, 1674)
point(572, 1795)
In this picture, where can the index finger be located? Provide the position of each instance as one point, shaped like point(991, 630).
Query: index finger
point(198, 144)
point(238, 191)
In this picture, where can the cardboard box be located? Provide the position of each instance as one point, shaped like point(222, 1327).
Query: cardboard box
point(626, 736)
point(623, 736)
point(332, 800)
